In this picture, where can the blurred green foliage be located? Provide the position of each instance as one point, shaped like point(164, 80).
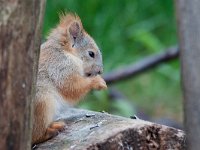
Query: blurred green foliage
point(126, 31)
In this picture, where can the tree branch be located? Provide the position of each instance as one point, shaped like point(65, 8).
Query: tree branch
point(141, 66)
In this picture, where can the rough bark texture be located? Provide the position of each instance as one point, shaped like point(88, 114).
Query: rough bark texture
point(93, 130)
point(141, 66)
point(188, 20)
point(20, 26)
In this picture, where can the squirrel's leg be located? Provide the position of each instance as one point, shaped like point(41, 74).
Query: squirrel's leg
point(78, 86)
point(43, 126)
point(53, 130)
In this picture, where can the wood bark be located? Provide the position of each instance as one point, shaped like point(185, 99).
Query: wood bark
point(188, 21)
point(141, 66)
point(20, 30)
point(94, 130)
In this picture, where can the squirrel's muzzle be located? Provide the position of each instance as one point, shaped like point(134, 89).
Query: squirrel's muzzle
point(95, 70)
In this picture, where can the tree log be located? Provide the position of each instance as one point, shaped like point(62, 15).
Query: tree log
point(20, 26)
point(94, 130)
point(141, 66)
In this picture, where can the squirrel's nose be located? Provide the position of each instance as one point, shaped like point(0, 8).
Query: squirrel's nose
point(100, 72)
point(97, 70)
point(93, 74)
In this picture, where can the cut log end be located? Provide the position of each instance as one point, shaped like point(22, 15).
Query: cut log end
point(104, 131)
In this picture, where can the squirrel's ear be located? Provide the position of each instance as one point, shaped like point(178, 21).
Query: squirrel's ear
point(75, 29)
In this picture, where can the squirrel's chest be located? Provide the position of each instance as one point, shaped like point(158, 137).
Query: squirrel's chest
point(60, 107)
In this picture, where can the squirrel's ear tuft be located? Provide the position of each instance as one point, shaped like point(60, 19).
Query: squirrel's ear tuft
point(72, 22)
point(75, 29)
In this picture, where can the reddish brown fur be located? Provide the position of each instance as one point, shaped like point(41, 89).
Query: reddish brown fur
point(82, 86)
point(61, 75)
point(65, 22)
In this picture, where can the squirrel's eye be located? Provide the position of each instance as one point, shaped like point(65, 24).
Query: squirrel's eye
point(91, 54)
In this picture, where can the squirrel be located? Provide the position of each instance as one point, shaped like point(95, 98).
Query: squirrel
point(70, 65)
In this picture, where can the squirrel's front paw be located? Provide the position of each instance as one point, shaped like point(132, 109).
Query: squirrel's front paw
point(99, 83)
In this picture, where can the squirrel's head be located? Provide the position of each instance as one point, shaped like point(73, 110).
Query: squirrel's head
point(78, 42)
